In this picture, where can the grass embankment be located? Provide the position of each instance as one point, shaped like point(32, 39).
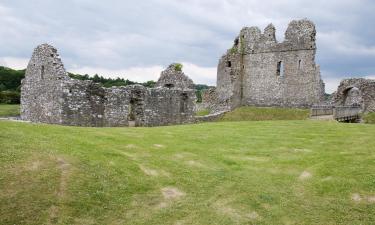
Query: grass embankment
point(269, 172)
point(203, 112)
point(369, 118)
point(266, 113)
point(9, 110)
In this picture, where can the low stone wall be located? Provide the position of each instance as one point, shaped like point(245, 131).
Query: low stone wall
point(211, 117)
point(321, 110)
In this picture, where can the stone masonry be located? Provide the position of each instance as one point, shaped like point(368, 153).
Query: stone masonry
point(259, 71)
point(172, 77)
point(356, 91)
point(49, 95)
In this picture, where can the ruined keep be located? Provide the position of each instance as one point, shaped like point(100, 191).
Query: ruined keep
point(49, 95)
point(259, 71)
point(356, 91)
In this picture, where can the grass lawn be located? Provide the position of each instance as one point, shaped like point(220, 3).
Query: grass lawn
point(265, 113)
point(203, 112)
point(9, 110)
point(266, 172)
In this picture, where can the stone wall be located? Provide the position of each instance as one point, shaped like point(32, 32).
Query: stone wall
point(259, 71)
point(356, 91)
point(173, 77)
point(48, 95)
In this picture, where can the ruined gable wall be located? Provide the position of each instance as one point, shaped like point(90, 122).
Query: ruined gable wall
point(173, 78)
point(41, 90)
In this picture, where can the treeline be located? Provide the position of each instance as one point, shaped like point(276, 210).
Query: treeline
point(109, 82)
point(10, 84)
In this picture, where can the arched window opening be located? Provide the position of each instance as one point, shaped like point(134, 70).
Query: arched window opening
point(229, 64)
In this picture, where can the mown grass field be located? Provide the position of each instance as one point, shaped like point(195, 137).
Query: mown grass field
point(9, 110)
point(266, 113)
point(263, 172)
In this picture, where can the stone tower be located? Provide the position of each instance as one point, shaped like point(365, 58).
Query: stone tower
point(259, 71)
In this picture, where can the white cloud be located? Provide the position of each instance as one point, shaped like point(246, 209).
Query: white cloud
point(344, 43)
point(331, 84)
point(200, 75)
point(14, 62)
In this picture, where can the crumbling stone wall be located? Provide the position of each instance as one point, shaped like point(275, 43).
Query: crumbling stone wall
point(173, 77)
point(259, 71)
point(48, 95)
point(356, 91)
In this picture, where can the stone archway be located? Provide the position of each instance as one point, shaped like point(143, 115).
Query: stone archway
point(352, 96)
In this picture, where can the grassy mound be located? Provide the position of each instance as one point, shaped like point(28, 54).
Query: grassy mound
point(267, 172)
point(9, 110)
point(369, 118)
point(203, 112)
point(257, 114)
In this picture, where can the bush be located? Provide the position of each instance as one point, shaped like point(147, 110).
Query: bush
point(369, 118)
point(10, 97)
point(178, 66)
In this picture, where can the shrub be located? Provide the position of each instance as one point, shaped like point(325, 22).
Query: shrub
point(369, 118)
point(178, 66)
point(10, 97)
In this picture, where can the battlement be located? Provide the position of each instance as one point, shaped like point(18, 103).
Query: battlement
point(300, 35)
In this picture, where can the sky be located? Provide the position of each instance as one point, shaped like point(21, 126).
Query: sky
point(136, 40)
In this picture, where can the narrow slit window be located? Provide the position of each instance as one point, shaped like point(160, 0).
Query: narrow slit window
point(229, 64)
point(183, 103)
point(280, 69)
point(42, 73)
point(299, 64)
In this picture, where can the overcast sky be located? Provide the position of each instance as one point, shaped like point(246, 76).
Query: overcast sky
point(137, 39)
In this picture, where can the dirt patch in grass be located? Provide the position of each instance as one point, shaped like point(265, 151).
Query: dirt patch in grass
point(305, 175)
point(358, 198)
point(237, 215)
point(172, 193)
point(148, 171)
point(194, 163)
point(159, 146)
point(65, 169)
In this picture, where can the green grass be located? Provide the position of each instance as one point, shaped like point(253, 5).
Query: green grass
point(267, 172)
point(203, 112)
point(369, 118)
point(9, 110)
point(265, 113)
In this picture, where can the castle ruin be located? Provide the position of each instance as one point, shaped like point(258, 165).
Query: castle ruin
point(356, 92)
point(49, 95)
point(259, 71)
